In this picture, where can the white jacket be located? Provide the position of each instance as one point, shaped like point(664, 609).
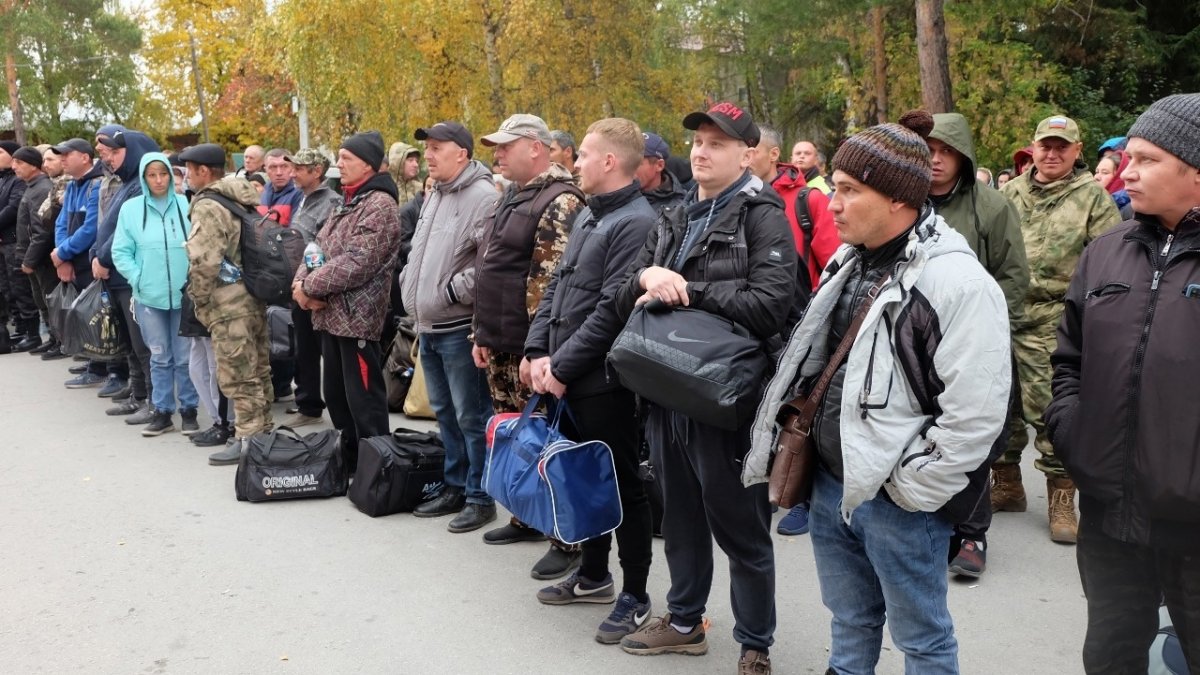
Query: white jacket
point(916, 431)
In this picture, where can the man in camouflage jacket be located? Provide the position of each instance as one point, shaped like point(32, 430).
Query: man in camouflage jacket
point(236, 319)
point(1062, 209)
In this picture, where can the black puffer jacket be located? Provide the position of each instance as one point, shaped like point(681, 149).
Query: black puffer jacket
point(1123, 418)
point(749, 277)
point(11, 190)
point(576, 321)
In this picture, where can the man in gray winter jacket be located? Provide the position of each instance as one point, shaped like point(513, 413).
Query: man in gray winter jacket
point(438, 287)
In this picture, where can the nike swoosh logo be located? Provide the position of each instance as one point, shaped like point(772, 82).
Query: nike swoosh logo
point(673, 336)
point(580, 590)
point(639, 619)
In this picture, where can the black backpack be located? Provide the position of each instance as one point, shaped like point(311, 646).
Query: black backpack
point(804, 219)
point(271, 253)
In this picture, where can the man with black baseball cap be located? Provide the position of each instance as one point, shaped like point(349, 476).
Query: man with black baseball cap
point(27, 163)
point(728, 251)
point(660, 188)
point(438, 290)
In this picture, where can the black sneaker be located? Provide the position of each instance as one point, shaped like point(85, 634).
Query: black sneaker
point(188, 423)
point(144, 415)
point(555, 563)
point(124, 406)
point(627, 618)
point(971, 560)
point(45, 347)
point(112, 387)
point(54, 353)
point(217, 434)
point(78, 370)
point(512, 533)
point(160, 425)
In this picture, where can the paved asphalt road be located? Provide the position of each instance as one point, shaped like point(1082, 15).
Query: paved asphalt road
point(122, 554)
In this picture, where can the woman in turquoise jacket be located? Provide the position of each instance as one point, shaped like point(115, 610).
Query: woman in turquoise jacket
point(148, 250)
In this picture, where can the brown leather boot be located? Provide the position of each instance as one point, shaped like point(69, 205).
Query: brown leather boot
point(1064, 527)
point(1008, 494)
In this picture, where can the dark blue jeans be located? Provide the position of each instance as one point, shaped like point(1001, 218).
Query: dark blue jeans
point(458, 394)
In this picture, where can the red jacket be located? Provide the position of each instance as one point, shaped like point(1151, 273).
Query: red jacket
point(825, 240)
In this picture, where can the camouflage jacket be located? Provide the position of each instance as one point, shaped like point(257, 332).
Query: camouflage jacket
point(1058, 220)
point(407, 190)
point(510, 260)
point(216, 234)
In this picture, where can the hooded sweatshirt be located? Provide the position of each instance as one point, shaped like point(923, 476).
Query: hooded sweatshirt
point(148, 249)
point(982, 215)
point(408, 189)
point(285, 201)
point(137, 145)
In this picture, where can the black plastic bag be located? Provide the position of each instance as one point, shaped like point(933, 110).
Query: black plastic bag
point(97, 324)
point(58, 304)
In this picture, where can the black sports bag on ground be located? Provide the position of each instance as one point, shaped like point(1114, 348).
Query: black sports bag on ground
point(282, 464)
point(396, 473)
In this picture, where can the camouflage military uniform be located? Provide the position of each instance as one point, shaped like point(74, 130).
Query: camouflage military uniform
point(236, 319)
point(1057, 221)
point(550, 240)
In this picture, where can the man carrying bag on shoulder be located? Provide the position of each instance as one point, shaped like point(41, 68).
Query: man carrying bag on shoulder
point(726, 250)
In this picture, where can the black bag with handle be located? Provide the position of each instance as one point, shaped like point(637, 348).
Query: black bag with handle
point(397, 472)
point(282, 464)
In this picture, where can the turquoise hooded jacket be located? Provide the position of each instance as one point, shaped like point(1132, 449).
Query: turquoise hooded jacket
point(148, 247)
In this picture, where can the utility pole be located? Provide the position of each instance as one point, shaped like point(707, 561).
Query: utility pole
point(10, 73)
point(300, 108)
point(196, 77)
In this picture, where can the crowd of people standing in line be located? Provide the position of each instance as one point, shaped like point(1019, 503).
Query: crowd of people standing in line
point(945, 315)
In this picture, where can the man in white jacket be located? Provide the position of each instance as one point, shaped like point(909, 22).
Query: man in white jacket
point(906, 427)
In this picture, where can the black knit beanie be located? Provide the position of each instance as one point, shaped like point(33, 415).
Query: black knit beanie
point(10, 147)
point(1173, 124)
point(29, 155)
point(891, 158)
point(367, 146)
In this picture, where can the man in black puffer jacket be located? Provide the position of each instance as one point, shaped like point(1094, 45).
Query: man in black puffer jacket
point(1123, 415)
point(571, 334)
point(727, 250)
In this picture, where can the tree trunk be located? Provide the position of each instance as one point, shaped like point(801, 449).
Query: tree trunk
point(932, 55)
point(14, 96)
point(881, 63)
point(492, 27)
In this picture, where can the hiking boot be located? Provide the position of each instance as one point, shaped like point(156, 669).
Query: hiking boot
point(188, 424)
point(795, 522)
point(512, 533)
point(971, 559)
point(124, 406)
point(299, 419)
point(1063, 526)
point(160, 425)
point(30, 342)
point(232, 454)
point(113, 386)
point(217, 434)
point(451, 500)
point(754, 662)
point(1008, 494)
point(78, 370)
point(144, 415)
point(577, 588)
point(555, 563)
point(472, 517)
point(84, 381)
point(628, 616)
point(44, 347)
point(660, 637)
point(54, 353)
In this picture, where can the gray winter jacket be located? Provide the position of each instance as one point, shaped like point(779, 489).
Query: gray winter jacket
point(438, 283)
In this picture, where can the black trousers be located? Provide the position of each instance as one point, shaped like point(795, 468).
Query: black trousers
point(612, 418)
point(355, 391)
point(307, 364)
point(16, 292)
point(1124, 585)
point(139, 353)
point(699, 470)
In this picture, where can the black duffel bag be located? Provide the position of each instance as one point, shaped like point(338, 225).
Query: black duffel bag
point(282, 464)
point(693, 362)
point(397, 472)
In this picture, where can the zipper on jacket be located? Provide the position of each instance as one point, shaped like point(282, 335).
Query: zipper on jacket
point(167, 255)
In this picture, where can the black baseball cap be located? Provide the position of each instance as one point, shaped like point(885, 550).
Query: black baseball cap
point(655, 146)
point(74, 145)
point(735, 122)
point(448, 131)
point(205, 154)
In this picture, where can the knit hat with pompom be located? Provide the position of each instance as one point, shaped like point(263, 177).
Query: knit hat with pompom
point(891, 158)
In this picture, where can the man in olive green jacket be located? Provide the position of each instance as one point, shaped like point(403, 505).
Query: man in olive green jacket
point(1062, 209)
point(993, 231)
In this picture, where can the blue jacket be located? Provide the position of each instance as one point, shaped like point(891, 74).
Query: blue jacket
point(137, 145)
point(82, 198)
point(286, 201)
point(148, 246)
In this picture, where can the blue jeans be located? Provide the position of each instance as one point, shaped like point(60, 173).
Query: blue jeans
point(458, 394)
point(169, 356)
point(889, 563)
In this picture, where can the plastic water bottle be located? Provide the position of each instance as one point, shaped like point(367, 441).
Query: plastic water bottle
point(229, 273)
point(314, 257)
